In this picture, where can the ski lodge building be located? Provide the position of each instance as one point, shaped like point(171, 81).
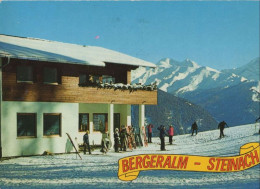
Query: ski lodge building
point(49, 88)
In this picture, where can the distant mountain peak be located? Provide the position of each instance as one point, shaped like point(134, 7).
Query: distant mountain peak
point(189, 61)
point(169, 62)
point(165, 63)
point(185, 76)
point(211, 69)
point(231, 95)
point(249, 71)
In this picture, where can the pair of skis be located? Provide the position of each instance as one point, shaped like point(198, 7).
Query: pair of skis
point(73, 145)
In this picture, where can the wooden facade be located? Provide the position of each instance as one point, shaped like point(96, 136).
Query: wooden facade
point(68, 89)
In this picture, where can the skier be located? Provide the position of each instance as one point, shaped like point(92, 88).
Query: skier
point(150, 131)
point(123, 136)
point(170, 132)
point(194, 127)
point(116, 139)
point(86, 142)
point(257, 121)
point(221, 127)
point(162, 135)
point(105, 143)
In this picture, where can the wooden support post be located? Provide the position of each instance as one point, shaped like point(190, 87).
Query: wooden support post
point(111, 124)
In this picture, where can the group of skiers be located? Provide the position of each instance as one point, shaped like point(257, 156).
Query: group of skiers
point(104, 142)
point(221, 126)
point(164, 133)
point(194, 128)
point(126, 137)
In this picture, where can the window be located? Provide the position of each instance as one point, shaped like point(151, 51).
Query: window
point(94, 79)
point(83, 122)
point(82, 79)
point(85, 79)
point(50, 75)
point(51, 124)
point(26, 125)
point(24, 74)
point(108, 79)
point(117, 120)
point(100, 122)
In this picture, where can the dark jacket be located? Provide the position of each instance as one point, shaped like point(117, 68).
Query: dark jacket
point(221, 125)
point(86, 139)
point(162, 131)
point(194, 126)
point(116, 136)
point(123, 133)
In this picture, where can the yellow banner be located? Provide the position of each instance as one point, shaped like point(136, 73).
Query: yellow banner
point(129, 167)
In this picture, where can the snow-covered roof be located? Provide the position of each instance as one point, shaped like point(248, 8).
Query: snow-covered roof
point(53, 51)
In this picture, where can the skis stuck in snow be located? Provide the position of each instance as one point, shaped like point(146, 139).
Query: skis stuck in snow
point(74, 145)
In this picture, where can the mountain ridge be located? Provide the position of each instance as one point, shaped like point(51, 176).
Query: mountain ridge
point(249, 71)
point(180, 77)
point(209, 87)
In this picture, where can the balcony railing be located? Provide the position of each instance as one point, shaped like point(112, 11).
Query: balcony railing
point(121, 86)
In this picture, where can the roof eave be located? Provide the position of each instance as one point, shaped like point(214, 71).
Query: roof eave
point(54, 60)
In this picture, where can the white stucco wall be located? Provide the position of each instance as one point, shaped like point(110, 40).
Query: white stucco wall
point(13, 146)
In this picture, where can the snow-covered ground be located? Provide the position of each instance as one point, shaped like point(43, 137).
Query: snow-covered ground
point(100, 171)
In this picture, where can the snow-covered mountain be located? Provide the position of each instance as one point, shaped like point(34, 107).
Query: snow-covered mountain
point(238, 104)
point(225, 94)
point(179, 77)
point(249, 71)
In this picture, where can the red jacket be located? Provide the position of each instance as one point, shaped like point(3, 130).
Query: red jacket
point(171, 131)
point(150, 126)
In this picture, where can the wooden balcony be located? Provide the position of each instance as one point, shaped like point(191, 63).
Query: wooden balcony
point(70, 91)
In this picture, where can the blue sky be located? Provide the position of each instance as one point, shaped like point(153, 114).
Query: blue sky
point(216, 34)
